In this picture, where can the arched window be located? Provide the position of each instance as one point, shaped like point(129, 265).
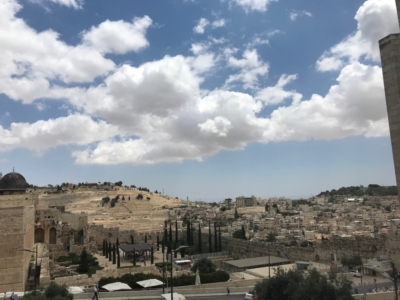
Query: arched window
point(39, 235)
point(52, 236)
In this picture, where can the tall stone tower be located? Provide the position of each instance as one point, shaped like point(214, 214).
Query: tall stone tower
point(390, 56)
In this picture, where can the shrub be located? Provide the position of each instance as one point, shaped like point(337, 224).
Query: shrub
point(204, 265)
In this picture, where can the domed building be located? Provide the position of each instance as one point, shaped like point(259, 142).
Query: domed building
point(13, 184)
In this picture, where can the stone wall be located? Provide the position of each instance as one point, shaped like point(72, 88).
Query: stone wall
point(17, 233)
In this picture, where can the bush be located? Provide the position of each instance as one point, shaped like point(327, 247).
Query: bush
point(52, 292)
point(204, 265)
point(139, 197)
point(304, 244)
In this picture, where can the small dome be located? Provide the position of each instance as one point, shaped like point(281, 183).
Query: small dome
point(13, 181)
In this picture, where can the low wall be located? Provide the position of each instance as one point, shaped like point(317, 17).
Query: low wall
point(375, 296)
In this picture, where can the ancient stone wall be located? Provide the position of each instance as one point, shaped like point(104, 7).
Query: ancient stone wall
point(17, 233)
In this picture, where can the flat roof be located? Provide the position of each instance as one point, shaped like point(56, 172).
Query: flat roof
point(257, 261)
point(136, 247)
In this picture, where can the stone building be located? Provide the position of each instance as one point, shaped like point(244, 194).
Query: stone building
point(246, 201)
point(390, 57)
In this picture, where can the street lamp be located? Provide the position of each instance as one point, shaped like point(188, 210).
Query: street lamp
point(36, 265)
point(172, 268)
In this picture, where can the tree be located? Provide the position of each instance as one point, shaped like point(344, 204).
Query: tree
point(176, 231)
point(118, 183)
point(145, 238)
point(266, 207)
point(152, 255)
point(118, 258)
point(83, 263)
point(188, 232)
point(243, 233)
point(352, 261)
point(220, 245)
point(294, 286)
point(106, 244)
point(209, 237)
point(104, 247)
point(223, 208)
point(109, 251)
point(114, 257)
point(204, 265)
point(132, 241)
point(271, 238)
point(215, 238)
point(199, 244)
point(238, 234)
point(52, 292)
point(139, 197)
point(236, 214)
point(158, 242)
point(134, 257)
point(170, 233)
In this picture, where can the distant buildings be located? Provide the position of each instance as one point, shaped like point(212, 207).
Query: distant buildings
point(243, 201)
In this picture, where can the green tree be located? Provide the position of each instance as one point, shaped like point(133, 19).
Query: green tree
point(52, 292)
point(176, 231)
point(199, 243)
point(294, 286)
point(118, 258)
point(215, 238)
point(132, 242)
point(109, 251)
point(243, 233)
point(152, 255)
point(351, 261)
point(114, 257)
point(271, 238)
point(83, 263)
point(134, 257)
point(204, 265)
point(158, 242)
point(266, 207)
point(139, 197)
point(104, 247)
point(236, 214)
point(145, 238)
point(209, 237)
point(237, 234)
point(223, 208)
point(220, 244)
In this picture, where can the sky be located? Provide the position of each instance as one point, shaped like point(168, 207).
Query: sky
point(201, 99)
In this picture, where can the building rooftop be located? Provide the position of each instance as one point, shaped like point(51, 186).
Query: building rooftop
point(257, 262)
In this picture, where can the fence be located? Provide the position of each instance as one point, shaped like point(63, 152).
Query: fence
point(207, 255)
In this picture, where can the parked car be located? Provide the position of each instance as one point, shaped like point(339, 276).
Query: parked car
point(355, 273)
point(250, 295)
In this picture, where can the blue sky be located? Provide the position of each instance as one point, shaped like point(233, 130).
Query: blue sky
point(206, 99)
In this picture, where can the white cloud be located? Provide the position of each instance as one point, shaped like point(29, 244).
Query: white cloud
point(256, 41)
point(276, 94)
point(295, 14)
point(271, 33)
point(157, 112)
point(375, 19)
point(201, 25)
point(218, 23)
point(39, 136)
point(258, 5)
point(77, 4)
point(118, 36)
point(251, 67)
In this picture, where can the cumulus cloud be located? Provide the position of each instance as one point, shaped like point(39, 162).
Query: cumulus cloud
point(118, 36)
point(123, 118)
point(201, 25)
point(218, 23)
point(295, 14)
point(375, 19)
point(251, 66)
point(39, 136)
point(257, 5)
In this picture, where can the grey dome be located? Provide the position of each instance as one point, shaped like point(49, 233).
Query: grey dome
point(13, 181)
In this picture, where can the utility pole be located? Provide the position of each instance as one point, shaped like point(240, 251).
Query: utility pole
point(395, 281)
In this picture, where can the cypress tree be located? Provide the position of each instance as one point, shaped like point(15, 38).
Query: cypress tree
point(243, 233)
point(188, 232)
point(114, 259)
point(106, 247)
point(170, 233)
point(145, 239)
point(199, 240)
point(176, 231)
point(118, 259)
point(109, 251)
point(83, 263)
point(158, 242)
point(152, 255)
point(215, 238)
point(166, 236)
point(162, 245)
point(220, 244)
point(209, 237)
point(132, 239)
point(117, 243)
point(134, 257)
point(169, 247)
